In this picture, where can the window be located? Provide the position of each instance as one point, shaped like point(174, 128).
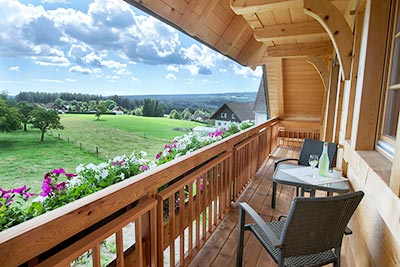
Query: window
point(233, 116)
point(392, 99)
point(224, 115)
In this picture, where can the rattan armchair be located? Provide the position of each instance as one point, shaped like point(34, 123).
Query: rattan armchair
point(310, 236)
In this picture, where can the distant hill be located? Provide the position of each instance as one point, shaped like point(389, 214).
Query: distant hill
point(195, 101)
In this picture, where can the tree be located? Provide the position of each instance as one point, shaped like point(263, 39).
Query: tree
point(174, 114)
point(9, 117)
point(45, 120)
point(185, 115)
point(25, 110)
point(100, 109)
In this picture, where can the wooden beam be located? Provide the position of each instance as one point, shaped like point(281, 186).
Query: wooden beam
point(253, 52)
point(284, 31)
point(298, 50)
point(320, 66)
point(242, 7)
point(232, 35)
point(336, 26)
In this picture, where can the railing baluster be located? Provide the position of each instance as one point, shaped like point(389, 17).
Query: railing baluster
point(139, 241)
point(190, 208)
point(181, 226)
point(119, 240)
point(198, 198)
point(172, 229)
point(96, 256)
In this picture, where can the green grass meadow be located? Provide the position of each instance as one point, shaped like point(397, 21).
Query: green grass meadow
point(25, 160)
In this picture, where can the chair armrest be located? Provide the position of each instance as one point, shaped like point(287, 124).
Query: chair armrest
point(277, 161)
point(348, 231)
point(281, 217)
point(261, 223)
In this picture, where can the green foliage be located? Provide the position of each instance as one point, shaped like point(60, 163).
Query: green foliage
point(151, 108)
point(45, 120)
point(138, 112)
point(100, 109)
point(185, 115)
point(174, 115)
point(25, 110)
point(9, 117)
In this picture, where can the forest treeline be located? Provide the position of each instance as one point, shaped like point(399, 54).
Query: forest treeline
point(165, 103)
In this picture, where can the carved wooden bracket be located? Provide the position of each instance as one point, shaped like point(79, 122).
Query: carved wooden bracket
point(320, 66)
point(336, 26)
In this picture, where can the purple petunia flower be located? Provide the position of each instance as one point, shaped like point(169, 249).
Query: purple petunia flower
point(70, 175)
point(144, 167)
point(47, 188)
point(3, 192)
point(59, 171)
point(61, 186)
point(20, 190)
point(158, 156)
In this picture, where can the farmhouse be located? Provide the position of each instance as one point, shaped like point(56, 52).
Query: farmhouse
point(331, 68)
point(233, 112)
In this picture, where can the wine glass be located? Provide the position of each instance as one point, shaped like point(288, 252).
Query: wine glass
point(313, 161)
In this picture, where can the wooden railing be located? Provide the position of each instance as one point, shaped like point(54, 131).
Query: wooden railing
point(295, 137)
point(171, 210)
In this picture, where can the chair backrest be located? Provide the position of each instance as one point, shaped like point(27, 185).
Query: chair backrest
point(317, 224)
point(311, 146)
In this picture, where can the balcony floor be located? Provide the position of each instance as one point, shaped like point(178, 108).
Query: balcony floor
point(220, 249)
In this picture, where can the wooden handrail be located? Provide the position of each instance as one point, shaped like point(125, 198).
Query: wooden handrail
point(52, 228)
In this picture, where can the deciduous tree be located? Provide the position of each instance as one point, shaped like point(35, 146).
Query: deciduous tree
point(9, 117)
point(45, 120)
point(25, 110)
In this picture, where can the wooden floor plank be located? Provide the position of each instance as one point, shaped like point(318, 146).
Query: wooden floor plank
point(220, 249)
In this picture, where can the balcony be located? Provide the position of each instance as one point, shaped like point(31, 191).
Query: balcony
point(191, 199)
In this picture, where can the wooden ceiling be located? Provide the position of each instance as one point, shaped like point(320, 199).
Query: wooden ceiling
point(249, 31)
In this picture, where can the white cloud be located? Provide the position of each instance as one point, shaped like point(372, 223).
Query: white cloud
point(81, 70)
point(247, 72)
point(14, 68)
point(223, 70)
point(170, 76)
point(49, 81)
point(134, 78)
point(55, 2)
point(173, 68)
point(70, 80)
point(51, 57)
point(189, 81)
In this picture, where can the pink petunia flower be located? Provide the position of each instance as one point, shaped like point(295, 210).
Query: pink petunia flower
point(144, 167)
point(70, 175)
point(59, 171)
point(20, 190)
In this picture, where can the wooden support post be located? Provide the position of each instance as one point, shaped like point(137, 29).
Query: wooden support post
point(331, 104)
point(279, 79)
point(370, 75)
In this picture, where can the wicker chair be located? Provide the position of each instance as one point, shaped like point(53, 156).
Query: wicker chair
point(309, 147)
point(310, 236)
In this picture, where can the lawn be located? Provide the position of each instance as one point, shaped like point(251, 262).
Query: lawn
point(24, 160)
point(122, 134)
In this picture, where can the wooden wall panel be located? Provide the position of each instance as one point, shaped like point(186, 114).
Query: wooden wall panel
point(376, 225)
point(272, 80)
point(302, 88)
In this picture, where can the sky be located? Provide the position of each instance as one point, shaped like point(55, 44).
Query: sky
point(107, 47)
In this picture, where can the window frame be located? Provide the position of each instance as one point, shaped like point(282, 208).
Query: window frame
point(386, 144)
